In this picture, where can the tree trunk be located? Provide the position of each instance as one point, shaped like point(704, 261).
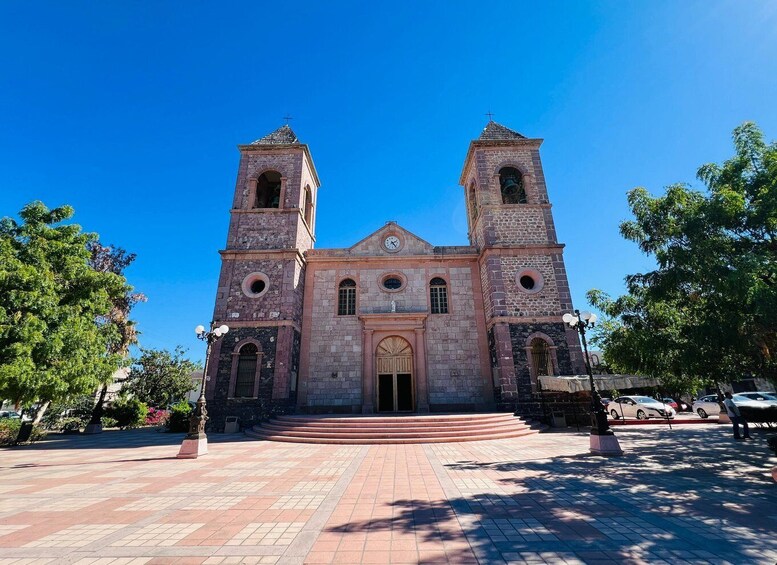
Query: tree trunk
point(97, 411)
point(41, 411)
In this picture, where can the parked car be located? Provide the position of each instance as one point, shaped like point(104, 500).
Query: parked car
point(671, 402)
point(640, 407)
point(10, 414)
point(605, 401)
point(763, 398)
point(707, 406)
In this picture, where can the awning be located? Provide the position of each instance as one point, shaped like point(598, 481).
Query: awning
point(604, 383)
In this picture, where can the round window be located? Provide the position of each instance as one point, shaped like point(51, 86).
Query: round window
point(392, 283)
point(255, 285)
point(258, 286)
point(529, 281)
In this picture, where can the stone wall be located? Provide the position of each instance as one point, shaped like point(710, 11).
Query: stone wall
point(515, 224)
point(452, 340)
point(248, 410)
point(452, 353)
point(335, 364)
point(281, 301)
point(528, 401)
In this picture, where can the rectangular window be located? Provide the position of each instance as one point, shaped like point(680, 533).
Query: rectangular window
point(246, 375)
point(346, 303)
point(439, 299)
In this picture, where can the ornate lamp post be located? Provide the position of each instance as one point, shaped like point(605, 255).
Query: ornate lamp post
point(603, 440)
point(196, 442)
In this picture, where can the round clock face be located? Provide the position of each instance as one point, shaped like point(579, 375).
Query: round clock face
point(391, 243)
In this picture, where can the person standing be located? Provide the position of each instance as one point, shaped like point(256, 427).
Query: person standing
point(736, 417)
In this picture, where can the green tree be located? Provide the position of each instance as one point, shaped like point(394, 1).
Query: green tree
point(708, 311)
point(111, 259)
point(53, 337)
point(160, 377)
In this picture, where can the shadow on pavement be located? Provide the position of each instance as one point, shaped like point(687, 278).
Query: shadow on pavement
point(707, 498)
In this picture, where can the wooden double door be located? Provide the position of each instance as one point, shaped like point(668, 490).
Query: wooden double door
point(394, 363)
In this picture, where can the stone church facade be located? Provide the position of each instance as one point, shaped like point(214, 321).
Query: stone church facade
point(393, 323)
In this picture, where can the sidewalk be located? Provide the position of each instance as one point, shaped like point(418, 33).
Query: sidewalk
point(687, 495)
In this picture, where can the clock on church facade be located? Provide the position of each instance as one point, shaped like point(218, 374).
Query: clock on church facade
point(392, 324)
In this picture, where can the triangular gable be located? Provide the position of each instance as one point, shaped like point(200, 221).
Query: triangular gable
point(374, 244)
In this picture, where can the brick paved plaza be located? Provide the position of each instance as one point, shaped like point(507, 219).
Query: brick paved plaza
point(688, 495)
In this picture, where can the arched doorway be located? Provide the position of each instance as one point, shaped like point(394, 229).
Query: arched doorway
point(394, 363)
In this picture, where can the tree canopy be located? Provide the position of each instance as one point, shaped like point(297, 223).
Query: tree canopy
point(54, 339)
point(159, 377)
point(708, 311)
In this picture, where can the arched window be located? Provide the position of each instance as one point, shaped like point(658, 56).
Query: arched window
point(308, 207)
point(511, 184)
point(268, 190)
point(473, 202)
point(246, 371)
point(540, 358)
point(438, 296)
point(346, 298)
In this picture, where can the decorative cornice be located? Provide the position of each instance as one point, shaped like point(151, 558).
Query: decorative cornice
point(231, 254)
point(523, 320)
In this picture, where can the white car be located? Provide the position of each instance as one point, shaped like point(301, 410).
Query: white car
point(707, 406)
point(759, 398)
point(639, 407)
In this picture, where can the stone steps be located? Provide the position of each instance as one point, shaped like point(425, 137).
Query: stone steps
point(392, 429)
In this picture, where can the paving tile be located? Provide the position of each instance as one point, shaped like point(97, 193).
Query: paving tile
point(688, 495)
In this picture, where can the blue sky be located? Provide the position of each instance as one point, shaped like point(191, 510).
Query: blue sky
point(131, 113)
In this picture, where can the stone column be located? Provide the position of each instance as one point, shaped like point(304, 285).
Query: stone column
point(282, 196)
point(368, 376)
point(283, 349)
point(250, 193)
point(422, 389)
point(505, 363)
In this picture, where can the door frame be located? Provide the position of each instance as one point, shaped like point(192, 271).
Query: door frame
point(395, 372)
point(412, 328)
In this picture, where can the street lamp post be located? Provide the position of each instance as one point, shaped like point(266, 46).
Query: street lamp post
point(195, 443)
point(603, 440)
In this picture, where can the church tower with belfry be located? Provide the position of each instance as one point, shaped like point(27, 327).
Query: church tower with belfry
point(261, 286)
point(525, 288)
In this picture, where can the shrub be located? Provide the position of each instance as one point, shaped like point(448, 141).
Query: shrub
point(109, 422)
point(61, 413)
point(128, 412)
point(70, 425)
point(9, 430)
point(156, 417)
point(38, 432)
point(178, 421)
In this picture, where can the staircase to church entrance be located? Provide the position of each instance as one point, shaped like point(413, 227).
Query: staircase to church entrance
point(392, 429)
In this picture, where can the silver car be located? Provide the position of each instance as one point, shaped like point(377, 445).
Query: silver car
point(707, 406)
point(761, 398)
point(639, 407)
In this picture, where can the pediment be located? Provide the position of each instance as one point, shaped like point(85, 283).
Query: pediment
point(376, 243)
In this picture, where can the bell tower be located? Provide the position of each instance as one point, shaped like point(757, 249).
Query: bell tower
point(261, 285)
point(525, 286)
